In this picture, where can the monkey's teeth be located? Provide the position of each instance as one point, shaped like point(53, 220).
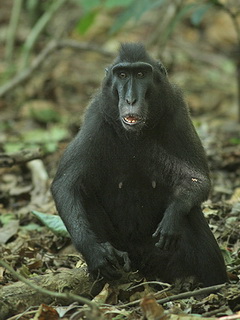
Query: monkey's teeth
point(131, 119)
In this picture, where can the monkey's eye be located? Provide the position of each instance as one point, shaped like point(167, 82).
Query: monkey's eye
point(140, 75)
point(122, 75)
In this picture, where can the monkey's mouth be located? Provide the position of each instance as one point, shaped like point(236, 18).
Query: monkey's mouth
point(132, 119)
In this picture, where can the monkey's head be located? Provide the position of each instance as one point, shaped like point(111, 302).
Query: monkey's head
point(134, 81)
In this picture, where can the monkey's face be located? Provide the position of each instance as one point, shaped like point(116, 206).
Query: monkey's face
point(131, 83)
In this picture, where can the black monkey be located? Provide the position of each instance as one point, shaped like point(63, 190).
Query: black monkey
point(130, 185)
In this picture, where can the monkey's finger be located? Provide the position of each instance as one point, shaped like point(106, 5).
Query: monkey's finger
point(112, 259)
point(127, 263)
point(168, 243)
point(123, 259)
point(110, 273)
point(156, 233)
point(160, 244)
point(118, 255)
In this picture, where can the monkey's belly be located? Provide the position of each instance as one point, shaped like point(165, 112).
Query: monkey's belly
point(134, 211)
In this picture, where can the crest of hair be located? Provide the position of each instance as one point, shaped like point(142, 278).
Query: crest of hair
point(132, 52)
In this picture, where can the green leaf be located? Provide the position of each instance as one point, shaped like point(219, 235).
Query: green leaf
point(88, 5)
point(199, 13)
point(47, 139)
point(135, 10)
point(45, 115)
point(235, 140)
point(56, 133)
point(226, 255)
point(32, 227)
point(52, 222)
point(50, 147)
point(216, 3)
point(6, 218)
point(13, 146)
point(86, 21)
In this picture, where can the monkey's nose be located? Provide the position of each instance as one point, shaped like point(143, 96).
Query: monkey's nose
point(131, 101)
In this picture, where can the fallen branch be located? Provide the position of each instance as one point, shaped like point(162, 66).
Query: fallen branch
point(10, 159)
point(179, 296)
point(60, 288)
point(40, 182)
point(25, 74)
point(194, 293)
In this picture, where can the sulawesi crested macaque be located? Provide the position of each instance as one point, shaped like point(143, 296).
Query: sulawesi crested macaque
point(129, 187)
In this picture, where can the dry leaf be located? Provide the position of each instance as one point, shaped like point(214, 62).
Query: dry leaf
point(8, 230)
point(151, 309)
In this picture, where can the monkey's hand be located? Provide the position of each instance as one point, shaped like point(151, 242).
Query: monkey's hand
point(169, 232)
point(105, 261)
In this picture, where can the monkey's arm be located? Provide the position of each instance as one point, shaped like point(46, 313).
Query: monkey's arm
point(188, 180)
point(188, 194)
point(71, 201)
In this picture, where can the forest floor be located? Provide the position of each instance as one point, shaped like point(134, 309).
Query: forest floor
point(45, 113)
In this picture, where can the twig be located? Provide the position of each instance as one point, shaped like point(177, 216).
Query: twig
point(25, 74)
point(215, 312)
point(231, 317)
point(183, 295)
point(28, 312)
point(235, 268)
point(17, 5)
point(194, 293)
point(9, 160)
point(72, 296)
point(164, 284)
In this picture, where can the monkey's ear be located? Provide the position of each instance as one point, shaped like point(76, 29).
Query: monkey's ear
point(106, 71)
point(162, 68)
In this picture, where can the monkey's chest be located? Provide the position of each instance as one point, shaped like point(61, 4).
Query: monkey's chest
point(134, 203)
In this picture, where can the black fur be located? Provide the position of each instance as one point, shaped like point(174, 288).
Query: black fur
point(130, 185)
point(133, 52)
